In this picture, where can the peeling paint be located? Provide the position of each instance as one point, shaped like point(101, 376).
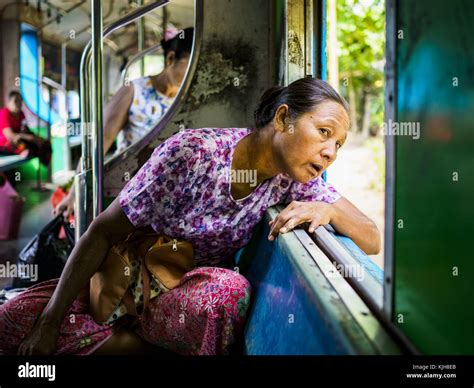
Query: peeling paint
point(295, 52)
point(223, 72)
point(216, 74)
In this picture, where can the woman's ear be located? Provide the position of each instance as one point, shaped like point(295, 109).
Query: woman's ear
point(170, 58)
point(280, 118)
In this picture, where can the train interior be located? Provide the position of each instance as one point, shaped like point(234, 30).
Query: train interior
point(313, 293)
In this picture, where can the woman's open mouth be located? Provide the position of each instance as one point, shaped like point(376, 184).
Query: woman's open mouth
point(317, 168)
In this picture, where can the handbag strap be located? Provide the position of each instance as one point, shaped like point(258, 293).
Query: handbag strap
point(129, 300)
point(146, 285)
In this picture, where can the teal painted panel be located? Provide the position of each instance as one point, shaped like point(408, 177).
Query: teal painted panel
point(434, 182)
point(29, 75)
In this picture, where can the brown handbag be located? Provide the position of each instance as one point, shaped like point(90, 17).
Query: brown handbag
point(167, 260)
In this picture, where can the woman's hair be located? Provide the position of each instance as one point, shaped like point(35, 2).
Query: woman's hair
point(181, 44)
point(301, 96)
point(13, 93)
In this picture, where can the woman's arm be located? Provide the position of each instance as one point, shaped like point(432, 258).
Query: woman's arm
point(10, 135)
point(14, 137)
point(349, 221)
point(345, 218)
point(108, 228)
point(116, 114)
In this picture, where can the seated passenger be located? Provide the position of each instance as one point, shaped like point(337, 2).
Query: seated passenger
point(184, 191)
point(136, 108)
point(15, 136)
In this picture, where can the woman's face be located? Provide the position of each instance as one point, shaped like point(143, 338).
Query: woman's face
point(176, 69)
point(307, 146)
point(14, 104)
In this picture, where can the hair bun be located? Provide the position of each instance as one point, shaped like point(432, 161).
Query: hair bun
point(264, 112)
point(272, 93)
point(165, 44)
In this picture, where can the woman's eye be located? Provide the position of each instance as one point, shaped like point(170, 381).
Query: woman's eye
point(324, 131)
point(338, 145)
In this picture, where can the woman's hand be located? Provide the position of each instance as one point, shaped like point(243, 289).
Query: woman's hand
point(343, 216)
point(66, 206)
point(26, 137)
point(41, 340)
point(296, 213)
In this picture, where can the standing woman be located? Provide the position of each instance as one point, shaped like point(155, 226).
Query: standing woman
point(137, 107)
point(184, 191)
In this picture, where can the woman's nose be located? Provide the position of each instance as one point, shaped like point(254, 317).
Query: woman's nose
point(330, 151)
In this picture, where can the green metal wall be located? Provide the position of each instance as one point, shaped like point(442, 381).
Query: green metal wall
point(434, 180)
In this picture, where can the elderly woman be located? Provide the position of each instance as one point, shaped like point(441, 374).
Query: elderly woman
point(184, 191)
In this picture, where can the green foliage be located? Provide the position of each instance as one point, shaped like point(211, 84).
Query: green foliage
point(361, 38)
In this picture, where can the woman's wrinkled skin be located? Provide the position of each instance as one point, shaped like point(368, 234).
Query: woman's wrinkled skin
point(307, 147)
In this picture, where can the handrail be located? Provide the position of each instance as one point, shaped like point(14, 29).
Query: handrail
point(97, 108)
point(53, 84)
point(368, 287)
point(86, 58)
point(114, 161)
point(81, 222)
point(137, 57)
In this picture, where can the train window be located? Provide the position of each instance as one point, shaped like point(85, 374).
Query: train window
point(73, 104)
point(355, 66)
point(153, 64)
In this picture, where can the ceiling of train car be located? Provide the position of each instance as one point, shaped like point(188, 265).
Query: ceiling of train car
point(61, 18)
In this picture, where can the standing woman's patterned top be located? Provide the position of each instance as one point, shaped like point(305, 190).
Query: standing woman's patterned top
point(183, 191)
point(148, 106)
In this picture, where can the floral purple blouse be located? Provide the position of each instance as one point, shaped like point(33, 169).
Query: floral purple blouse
point(183, 191)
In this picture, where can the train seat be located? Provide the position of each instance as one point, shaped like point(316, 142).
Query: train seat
point(9, 162)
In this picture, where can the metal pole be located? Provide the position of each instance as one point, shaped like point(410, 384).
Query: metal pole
point(141, 40)
point(80, 215)
point(38, 121)
point(67, 150)
point(97, 108)
point(84, 92)
point(165, 23)
point(48, 129)
point(63, 65)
